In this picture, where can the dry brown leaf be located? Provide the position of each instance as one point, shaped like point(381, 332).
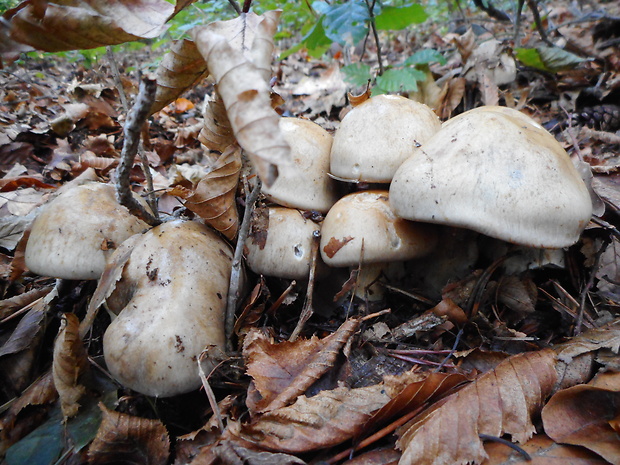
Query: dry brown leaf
point(83, 24)
point(179, 69)
point(214, 198)
point(580, 416)
point(242, 84)
point(12, 304)
point(543, 451)
point(123, 438)
point(284, 371)
point(501, 401)
point(69, 365)
point(451, 96)
point(326, 419)
point(216, 133)
point(233, 452)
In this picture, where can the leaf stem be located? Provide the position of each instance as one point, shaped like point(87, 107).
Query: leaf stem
point(373, 28)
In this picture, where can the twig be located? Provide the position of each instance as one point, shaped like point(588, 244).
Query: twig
point(307, 311)
point(117, 78)
point(210, 393)
point(235, 274)
point(246, 6)
point(486, 437)
point(373, 27)
point(235, 6)
point(135, 119)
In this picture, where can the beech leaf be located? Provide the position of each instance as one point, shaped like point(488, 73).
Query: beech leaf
point(214, 197)
point(502, 401)
point(69, 365)
point(127, 439)
point(241, 81)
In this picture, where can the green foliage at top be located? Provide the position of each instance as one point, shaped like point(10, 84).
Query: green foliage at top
point(550, 59)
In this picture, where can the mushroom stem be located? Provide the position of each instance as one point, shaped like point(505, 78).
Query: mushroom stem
point(368, 285)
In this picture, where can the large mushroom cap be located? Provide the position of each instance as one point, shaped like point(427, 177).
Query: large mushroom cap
point(375, 137)
point(366, 217)
point(495, 171)
point(170, 302)
point(282, 245)
point(74, 233)
point(304, 183)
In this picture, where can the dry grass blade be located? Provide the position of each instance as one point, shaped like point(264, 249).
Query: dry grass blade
point(214, 197)
point(244, 90)
point(80, 24)
point(123, 438)
point(180, 68)
point(502, 401)
point(69, 366)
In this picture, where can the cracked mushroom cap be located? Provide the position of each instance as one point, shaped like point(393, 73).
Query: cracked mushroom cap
point(75, 233)
point(375, 137)
point(280, 244)
point(366, 216)
point(496, 171)
point(304, 183)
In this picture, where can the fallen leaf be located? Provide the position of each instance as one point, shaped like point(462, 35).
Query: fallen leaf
point(581, 416)
point(502, 401)
point(214, 198)
point(242, 84)
point(70, 364)
point(124, 438)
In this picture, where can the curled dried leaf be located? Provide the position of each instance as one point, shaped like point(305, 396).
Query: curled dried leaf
point(123, 438)
point(244, 89)
point(214, 197)
point(216, 134)
point(180, 68)
point(69, 365)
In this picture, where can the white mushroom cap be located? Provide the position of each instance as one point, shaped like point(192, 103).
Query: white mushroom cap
point(304, 183)
point(366, 216)
point(283, 247)
point(76, 232)
point(170, 302)
point(375, 137)
point(496, 171)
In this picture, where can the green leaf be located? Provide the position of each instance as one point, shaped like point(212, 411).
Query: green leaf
point(552, 59)
point(315, 41)
point(346, 23)
point(396, 18)
point(424, 57)
point(397, 80)
point(356, 74)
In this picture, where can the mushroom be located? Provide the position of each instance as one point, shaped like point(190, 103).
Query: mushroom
point(497, 172)
point(76, 232)
point(304, 183)
point(364, 219)
point(375, 137)
point(170, 303)
point(281, 244)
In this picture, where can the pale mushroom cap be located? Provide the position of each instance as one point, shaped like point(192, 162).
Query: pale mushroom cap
point(304, 183)
point(173, 289)
point(287, 248)
point(76, 232)
point(375, 137)
point(495, 171)
point(366, 217)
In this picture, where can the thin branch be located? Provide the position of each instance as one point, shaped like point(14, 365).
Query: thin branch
point(373, 27)
point(235, 275)
point(235, 6)
point(135, 120)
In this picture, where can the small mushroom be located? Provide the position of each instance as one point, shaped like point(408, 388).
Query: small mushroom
point(375, 137)
point(280, 244)
point(497, 172)
point(75, 233)
point(170, 303)
point(304, 183)
point(364, 220)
